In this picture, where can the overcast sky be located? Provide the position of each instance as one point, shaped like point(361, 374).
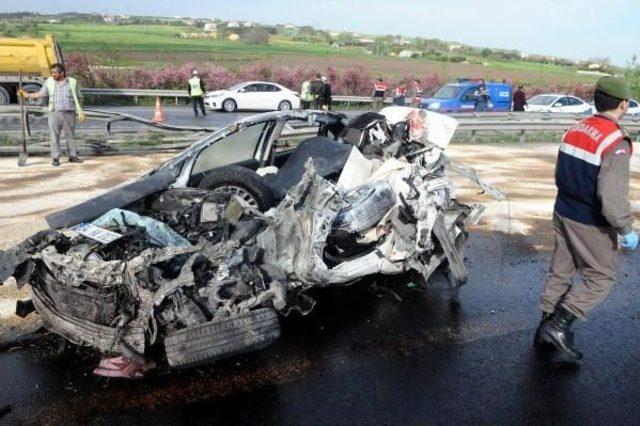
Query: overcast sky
point(577, 29)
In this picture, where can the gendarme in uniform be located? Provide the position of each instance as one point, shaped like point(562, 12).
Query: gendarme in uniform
point(592, 208)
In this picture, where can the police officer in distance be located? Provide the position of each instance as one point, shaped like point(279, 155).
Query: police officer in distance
point(196, 90)
point(591, 210)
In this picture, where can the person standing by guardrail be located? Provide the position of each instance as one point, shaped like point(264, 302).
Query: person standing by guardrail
point(519, 99)
point(326, 96)
point(64, 103)
point(591, 210)
point(399, 94)
point(377, 96)
point(316, 88)
point(196, 90)
point(481, 97)
point(416, 94)
point(306, 98)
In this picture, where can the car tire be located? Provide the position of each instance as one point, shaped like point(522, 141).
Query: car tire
point(33, 88)
point(240, 181)
point(284, 106)
point(229, 105)
point(5, 98)
point(222, 338)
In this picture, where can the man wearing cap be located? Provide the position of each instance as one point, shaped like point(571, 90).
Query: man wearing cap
point(196, 92)
point(591, 211)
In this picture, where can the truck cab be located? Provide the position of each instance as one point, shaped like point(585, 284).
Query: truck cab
point(460, 97)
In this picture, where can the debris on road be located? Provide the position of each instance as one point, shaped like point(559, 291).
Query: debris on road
point(200, 257)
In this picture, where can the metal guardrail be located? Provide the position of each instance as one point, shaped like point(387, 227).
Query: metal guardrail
point(471, 122)
point(177, 94)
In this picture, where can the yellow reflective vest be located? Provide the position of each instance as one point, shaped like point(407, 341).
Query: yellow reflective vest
point(305, 92)
point(73, 86)
point(196, 90)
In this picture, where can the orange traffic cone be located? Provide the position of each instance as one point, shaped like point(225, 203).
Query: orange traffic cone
point(158, 116)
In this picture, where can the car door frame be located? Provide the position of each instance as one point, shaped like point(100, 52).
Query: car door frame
point(561, 108)
point(469, 105)
point(187, 177)
point(246, 100)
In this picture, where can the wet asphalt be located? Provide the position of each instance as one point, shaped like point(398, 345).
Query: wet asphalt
point(384, 351)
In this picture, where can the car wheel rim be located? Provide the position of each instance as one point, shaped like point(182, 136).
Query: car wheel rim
point(228, 105)
point(284, 106)
point(232, 190)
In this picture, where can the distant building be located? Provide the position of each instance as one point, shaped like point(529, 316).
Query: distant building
point(53, 21)
point(233, 24)
point(289, 27)
point(524, 55)
point(247, 24)
point(409, 53)
point(108, 19)
point(454, 46)
point(366, 41)
point(211, 26)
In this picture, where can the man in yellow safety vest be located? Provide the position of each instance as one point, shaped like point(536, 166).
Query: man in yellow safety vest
point(306, 97)
point(196, 92)
point(64, 104)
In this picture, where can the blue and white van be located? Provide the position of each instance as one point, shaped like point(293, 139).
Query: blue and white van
point(460, 97)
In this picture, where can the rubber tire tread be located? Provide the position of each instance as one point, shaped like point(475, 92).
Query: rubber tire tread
point(282, 102)
point(242, 177)
point(234, 102)
point(33, 88)
point(5, 97)
point(222, 338)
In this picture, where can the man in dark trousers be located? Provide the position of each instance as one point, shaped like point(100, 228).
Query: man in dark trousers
point(519, 99)
point(326, 94)
point(196, 92)
point(377, 95)
point(592, 210)
point(317, 87)
point(481, 97)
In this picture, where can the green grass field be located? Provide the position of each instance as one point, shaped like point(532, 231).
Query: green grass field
point(164, 38)
point(157, 45)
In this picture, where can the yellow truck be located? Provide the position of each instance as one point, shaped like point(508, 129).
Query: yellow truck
point(34, 57)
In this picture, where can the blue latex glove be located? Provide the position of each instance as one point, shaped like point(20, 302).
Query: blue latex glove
point(629, 241)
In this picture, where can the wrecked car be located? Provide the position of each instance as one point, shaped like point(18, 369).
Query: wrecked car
point(200, 256)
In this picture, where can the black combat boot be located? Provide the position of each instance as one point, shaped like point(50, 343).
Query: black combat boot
point(556, 330)
point(538, 342)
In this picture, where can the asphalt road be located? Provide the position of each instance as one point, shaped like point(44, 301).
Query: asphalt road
point(382, 352)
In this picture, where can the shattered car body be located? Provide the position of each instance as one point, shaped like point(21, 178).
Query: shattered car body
point(205, 272)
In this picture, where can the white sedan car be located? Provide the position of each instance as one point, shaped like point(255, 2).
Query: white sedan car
point(558, 103)
point(253, 95)
point(634, 107)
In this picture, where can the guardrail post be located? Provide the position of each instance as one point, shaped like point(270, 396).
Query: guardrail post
point(135, 100)
point(522, 138)
point(176, 101)
point(474, 138)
